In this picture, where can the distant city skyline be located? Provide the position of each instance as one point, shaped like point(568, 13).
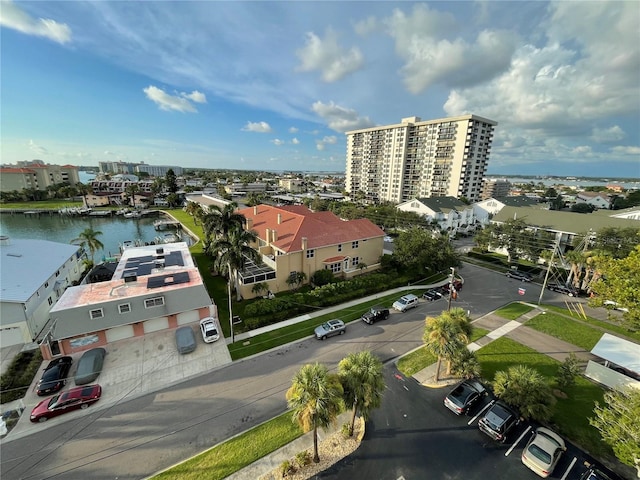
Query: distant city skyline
point(274, 85)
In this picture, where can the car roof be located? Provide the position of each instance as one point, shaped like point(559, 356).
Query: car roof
point(93, 353)
point(548, 440)
point(335, 321)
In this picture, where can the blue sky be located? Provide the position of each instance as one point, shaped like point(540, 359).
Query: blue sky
point(274, 85)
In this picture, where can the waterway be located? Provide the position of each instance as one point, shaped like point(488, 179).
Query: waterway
point(63, 229)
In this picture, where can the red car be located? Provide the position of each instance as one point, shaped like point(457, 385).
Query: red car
point(73, 399)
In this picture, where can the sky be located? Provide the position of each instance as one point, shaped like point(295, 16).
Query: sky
point(269, 85)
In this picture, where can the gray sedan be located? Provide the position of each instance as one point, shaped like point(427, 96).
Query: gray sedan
point(185, 340)
point(330, 328)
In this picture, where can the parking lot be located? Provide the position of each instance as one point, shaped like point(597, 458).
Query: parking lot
point(134, 367)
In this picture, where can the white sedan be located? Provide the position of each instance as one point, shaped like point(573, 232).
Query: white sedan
point(209, 330)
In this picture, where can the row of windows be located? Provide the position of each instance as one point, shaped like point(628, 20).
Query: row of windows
point(126, 307)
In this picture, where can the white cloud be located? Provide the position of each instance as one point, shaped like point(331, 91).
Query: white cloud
point(38, 149)
point(258, 127)
point(277, 142)
point(195, 96)
point(339, 118)
point(328, 140)
point(328, 57)
point(608, 135)
point(431, 58)
point(628, 150)
point(293, 130)
point(179, 102)
point(295, 141)
point(11, 16)
point(366, 26)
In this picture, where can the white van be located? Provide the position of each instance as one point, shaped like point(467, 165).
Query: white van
point(405, 303)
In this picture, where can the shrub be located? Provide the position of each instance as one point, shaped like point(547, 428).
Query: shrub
point(16, 380)
point(303, 458)
point(322, 277)
point(286, 468)
point(568, 371)
point(346, 430)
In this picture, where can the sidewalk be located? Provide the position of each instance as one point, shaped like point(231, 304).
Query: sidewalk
point(515, 330)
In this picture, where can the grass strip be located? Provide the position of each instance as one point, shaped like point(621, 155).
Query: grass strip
point(233, 455)
point(513, 310)
point(565, 329)
point(421, 358)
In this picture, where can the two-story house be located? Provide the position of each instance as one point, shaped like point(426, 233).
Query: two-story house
point(596, 199)
point(32, 282)
point(446, 213)
point(153, 288)
point(295, 239)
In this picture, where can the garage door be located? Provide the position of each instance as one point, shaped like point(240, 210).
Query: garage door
point(156, 324)
point(11, 336)
point(119, 333)
point(188, 317)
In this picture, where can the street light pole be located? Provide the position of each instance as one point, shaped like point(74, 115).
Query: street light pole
point(453, 273)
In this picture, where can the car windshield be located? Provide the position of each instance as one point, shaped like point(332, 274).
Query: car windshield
point(326, 326)
point(540, 454)
point(51, 374)
point(53, 401)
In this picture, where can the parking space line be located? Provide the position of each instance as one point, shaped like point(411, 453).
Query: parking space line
point(506, 454)
point(564, 477)
point(481, 412)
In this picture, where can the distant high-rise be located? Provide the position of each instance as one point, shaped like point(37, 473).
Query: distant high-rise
point(415, 158)
point(495, 188)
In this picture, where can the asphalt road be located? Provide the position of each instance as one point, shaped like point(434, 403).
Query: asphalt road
point(414, 436)
point(136, 438)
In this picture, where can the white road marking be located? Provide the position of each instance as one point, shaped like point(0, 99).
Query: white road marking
point(405, 387)
point(506, 454)
point(569, 468)
point(481, 412)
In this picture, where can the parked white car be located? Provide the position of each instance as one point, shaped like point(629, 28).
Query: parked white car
point(405, 303)
point(209, 330)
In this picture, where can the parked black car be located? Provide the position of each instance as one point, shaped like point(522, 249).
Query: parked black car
point(464, 396)
point(90, 366)
point(518, 275)
point(556, 287)
point(374, 314)
point(498, 420)
point(54, 376)
point(432, 295)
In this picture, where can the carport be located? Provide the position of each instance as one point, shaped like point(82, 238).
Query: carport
point(621, 362)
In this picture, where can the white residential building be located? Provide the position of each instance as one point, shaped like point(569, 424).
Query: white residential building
point(598, 200)
point(448, 213)
point(32, 282)
point(418, 159)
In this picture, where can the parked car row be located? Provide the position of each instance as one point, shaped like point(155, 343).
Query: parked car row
point(565, 289)
point(519, 275)
point(543, 450)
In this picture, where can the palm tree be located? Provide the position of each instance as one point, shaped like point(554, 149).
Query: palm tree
point(230, 255)
point(463, 323)
point(219, 221)
point(445, 335)
point(88, 238)
point(527, 390)
point(363, 383)
point(465, 364)
point(315, 396)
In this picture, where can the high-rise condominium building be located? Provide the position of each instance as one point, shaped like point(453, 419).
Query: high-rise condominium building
point(415, 159)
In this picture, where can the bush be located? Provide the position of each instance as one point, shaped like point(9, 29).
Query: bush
point(346, 430)
point(286, 468)
point(303, 458)
point(322, 277)
point(18, 377)
point(568, 371)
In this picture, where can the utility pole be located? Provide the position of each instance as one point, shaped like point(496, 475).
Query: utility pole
point(453, 276)
point(546, 277)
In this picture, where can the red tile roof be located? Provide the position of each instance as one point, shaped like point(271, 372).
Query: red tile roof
point(296, 222)
point(334, 259)
point(16, 170)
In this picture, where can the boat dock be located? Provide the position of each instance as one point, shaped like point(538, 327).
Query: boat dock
point(167, 225)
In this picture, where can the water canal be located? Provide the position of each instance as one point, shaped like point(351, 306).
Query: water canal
point(61, 228)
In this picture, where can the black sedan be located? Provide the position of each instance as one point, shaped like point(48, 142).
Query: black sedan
point(464, 396)
point(556, 287)
point(54, 376)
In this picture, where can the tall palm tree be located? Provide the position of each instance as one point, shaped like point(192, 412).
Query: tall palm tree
point(219, 221)
point(463, 323)
point(363, 383)
point(444, 335)
point(230, 256)
point(88, 238)
point(315, 396)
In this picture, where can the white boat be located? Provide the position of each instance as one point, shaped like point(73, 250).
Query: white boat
point(133, 214)
point(170, 238)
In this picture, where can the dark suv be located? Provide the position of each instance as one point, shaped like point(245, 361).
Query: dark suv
point(498, 421)
point(556, 287)
point(376, 313)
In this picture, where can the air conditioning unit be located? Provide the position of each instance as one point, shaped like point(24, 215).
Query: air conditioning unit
point(130, 277)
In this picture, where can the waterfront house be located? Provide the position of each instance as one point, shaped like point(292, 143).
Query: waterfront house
point(34, 274)
point(155, 287)
point(294, 239)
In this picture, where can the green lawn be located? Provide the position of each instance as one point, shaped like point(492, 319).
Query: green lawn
point(612, 326)
point(54, 204)
point(237, 453)
point(422, 358)
point(564, 328)
point(571, 417)
point(513, 310)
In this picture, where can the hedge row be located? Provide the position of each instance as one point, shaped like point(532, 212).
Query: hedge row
point(18, 377)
